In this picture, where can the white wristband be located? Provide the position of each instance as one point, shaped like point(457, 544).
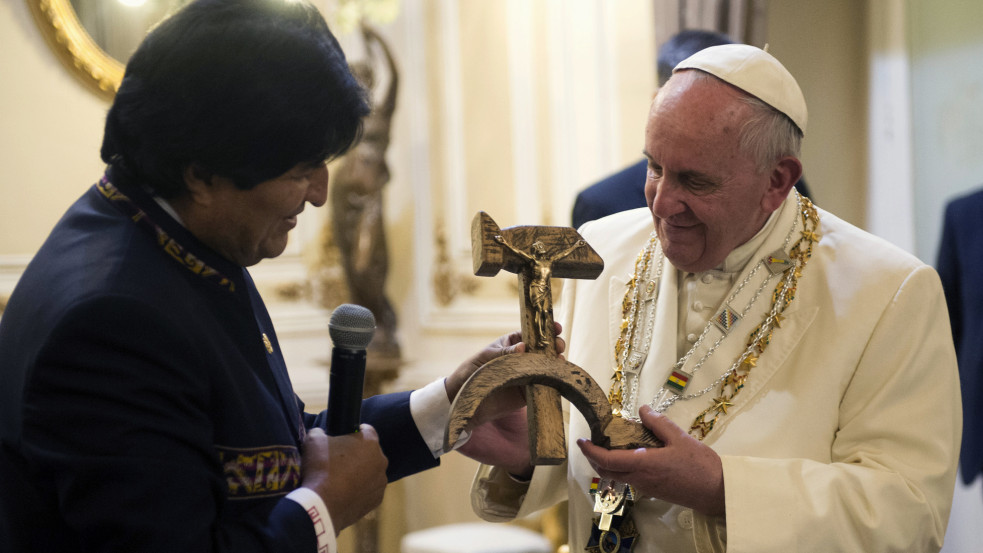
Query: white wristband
point(318, 511)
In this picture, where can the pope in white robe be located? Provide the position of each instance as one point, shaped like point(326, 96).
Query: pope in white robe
point(821, 407)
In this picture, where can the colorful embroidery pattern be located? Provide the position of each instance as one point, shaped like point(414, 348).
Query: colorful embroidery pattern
point(260, 471)
point(172, 247)
point(726, 319)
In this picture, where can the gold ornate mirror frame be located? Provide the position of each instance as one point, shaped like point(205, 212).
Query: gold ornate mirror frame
point(73, 45)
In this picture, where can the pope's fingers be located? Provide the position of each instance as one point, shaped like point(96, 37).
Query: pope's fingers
point(660, 425)
point(504, 345)
point(611, 460)
point(595, 454)
point(513, 338)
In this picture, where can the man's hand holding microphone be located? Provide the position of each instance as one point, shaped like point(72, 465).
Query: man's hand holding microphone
point(346, 466)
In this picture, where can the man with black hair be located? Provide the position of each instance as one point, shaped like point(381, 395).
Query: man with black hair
point(144, 400)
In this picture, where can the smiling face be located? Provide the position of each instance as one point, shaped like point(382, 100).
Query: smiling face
point(706, 196)
point(247, 226)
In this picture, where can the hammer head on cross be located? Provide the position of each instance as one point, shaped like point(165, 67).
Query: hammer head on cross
point(537, 254)
point(489, 255)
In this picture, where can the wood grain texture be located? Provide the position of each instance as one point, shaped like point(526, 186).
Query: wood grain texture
point(569, 380)
point(537, 254)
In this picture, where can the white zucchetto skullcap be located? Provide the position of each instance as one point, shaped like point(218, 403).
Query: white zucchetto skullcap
point(756, 72)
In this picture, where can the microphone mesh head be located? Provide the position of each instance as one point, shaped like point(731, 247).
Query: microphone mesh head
point(351, 326)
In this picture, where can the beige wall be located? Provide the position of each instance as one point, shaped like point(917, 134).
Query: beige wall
point(823, 45)
point(52, 124)
point(947, 101)
point(50, 133)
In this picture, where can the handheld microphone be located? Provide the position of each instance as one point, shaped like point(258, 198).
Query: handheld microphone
point(351, 328)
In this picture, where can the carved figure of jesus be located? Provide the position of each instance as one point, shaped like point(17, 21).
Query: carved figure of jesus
point(538, 291)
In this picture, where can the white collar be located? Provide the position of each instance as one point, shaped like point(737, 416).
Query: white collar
point(167, 207)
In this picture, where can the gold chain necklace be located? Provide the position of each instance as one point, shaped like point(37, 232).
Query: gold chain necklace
point(731, 381)
point(631, 347)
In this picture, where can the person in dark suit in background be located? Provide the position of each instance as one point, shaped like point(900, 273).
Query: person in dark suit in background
point(145, 404)
point(960, 266)
point(625, 189)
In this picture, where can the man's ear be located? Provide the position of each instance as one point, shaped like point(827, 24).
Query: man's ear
point(198, 181)
point(783, 177)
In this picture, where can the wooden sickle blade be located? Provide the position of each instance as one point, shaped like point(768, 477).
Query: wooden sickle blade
point(573, 383)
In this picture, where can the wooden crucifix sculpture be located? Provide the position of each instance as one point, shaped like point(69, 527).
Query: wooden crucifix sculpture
point(536, 254)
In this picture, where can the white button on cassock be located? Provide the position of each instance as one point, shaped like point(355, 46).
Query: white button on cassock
point(685, 519)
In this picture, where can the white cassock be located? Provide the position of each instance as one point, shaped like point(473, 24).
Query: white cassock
point(846, 434)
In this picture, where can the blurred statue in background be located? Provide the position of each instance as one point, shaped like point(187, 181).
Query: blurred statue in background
point(356, 200)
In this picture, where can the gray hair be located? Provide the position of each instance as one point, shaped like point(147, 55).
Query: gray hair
point(767, 134)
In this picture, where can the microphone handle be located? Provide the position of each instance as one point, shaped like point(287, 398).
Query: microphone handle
point(345, 390)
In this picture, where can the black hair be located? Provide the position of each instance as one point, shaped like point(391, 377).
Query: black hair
point(683, 45)
point(246, 89)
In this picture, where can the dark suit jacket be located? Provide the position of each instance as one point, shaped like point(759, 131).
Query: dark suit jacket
point(141, 408)
point(619, 192)
point(622, 191)
point(960, 267)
